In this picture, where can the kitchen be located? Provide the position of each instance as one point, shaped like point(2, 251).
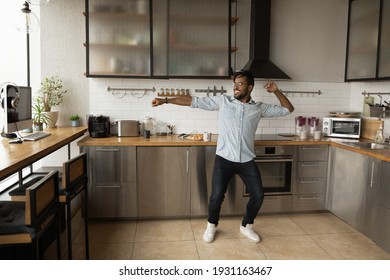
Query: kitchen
point(309, 44)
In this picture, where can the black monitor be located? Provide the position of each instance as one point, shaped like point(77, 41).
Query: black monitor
point(15, 109)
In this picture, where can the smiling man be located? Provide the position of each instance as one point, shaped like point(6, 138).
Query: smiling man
point(239, 117)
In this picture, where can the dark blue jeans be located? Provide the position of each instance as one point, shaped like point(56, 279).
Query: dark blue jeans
point(222, 173)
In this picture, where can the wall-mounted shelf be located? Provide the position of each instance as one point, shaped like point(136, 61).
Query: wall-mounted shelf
point(173, 92)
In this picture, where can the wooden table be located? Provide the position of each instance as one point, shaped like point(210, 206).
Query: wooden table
point(15, 157)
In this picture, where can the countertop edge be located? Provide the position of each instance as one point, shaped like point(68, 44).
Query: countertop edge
point(173, 140)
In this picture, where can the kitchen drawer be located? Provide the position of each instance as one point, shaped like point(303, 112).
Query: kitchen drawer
point(274, 204)
point(313, 153)
point(116, 201)
point(308, 202)
point(309, 185)
point(311, 169)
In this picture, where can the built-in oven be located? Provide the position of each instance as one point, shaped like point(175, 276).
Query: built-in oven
point(276, 168)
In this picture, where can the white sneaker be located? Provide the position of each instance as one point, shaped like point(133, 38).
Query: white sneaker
point(250, 233)
point(209, 233)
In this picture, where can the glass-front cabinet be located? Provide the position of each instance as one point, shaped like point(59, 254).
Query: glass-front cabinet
point(384, 47)
point(158, 38)
point(362, 39)
point(118, 38)
point(368, 55)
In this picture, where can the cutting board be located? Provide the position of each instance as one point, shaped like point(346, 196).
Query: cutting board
point(369, 128)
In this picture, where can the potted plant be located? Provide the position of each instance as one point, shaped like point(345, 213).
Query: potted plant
point(51, 93)
point(75, 120)
point(39, 116)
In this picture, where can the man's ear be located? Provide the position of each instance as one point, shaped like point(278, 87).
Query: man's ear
point(250, 88)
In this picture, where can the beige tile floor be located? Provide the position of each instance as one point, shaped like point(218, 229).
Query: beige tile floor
point(318, 236)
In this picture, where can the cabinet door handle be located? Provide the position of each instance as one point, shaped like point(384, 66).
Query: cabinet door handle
point(309, 164)
point(372, 174)
point(108, 186)
point(107, 150)
point(187, 161)
point(308, 197)
point(308, 181)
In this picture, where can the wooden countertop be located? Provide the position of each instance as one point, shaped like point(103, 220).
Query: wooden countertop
point(173, 140)
point(15, 157)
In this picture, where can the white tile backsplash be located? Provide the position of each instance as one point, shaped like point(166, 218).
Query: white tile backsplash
point(135, 105)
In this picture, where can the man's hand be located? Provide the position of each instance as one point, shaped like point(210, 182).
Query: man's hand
point(157, 101)
point(271, 86)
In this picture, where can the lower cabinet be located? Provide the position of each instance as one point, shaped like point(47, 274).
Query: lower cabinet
point(112, 186)
point(383, 216)
point(163, 181)
point(348, 183)
point(371, 212)
point(176, 182)
point(201, 167)
point(309, 185)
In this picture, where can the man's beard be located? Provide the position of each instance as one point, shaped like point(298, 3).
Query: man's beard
point(240, 96)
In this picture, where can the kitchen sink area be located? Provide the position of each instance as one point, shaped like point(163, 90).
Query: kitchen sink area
point(366, 145)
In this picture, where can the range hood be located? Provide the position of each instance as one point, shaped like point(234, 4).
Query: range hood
point(259, 63)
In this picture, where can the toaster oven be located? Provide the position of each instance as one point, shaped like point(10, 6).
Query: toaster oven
point(124, 128)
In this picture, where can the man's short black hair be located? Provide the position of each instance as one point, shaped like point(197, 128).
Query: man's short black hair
point(245, 73)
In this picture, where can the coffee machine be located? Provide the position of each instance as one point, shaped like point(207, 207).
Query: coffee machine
point(99, 126)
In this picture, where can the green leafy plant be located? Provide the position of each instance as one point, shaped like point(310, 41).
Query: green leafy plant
point(74, 117)
point(39, 115)
point(51, 93)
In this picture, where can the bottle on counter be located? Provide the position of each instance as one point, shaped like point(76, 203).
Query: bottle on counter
point(148, 124)
point(379, 137)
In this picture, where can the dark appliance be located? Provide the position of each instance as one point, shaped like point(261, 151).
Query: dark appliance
point(276, 168)
point(275, 164)
point(99, 126)
point(259, 63)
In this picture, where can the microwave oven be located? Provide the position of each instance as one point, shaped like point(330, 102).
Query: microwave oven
point(341, 127)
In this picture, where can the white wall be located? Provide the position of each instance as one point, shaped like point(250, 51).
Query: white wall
point(13, 47)
point(63, 54)
point(334, 96)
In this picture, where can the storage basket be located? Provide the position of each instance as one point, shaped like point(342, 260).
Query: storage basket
point(376, 111)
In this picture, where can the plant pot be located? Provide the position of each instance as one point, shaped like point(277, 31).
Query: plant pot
point(75, 123)
point(38, 126)
point(52, 120)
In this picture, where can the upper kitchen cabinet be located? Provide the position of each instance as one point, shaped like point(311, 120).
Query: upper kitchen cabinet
point(384, 47)
point(368, 55)
point(118, 38)
point(194, 41)
point(158, 38)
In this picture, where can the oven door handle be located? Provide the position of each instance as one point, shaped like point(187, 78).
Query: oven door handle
point(273, 159)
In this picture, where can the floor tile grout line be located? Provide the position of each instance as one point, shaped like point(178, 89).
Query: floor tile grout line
point(193, 235)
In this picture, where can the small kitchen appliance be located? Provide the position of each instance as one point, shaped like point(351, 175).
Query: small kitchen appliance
point(341, 127)
point(125, 128)
point(99, 126)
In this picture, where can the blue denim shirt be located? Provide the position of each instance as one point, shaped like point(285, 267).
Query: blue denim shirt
point(237, 123)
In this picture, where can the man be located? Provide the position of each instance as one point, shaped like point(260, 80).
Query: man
point(239, 116)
